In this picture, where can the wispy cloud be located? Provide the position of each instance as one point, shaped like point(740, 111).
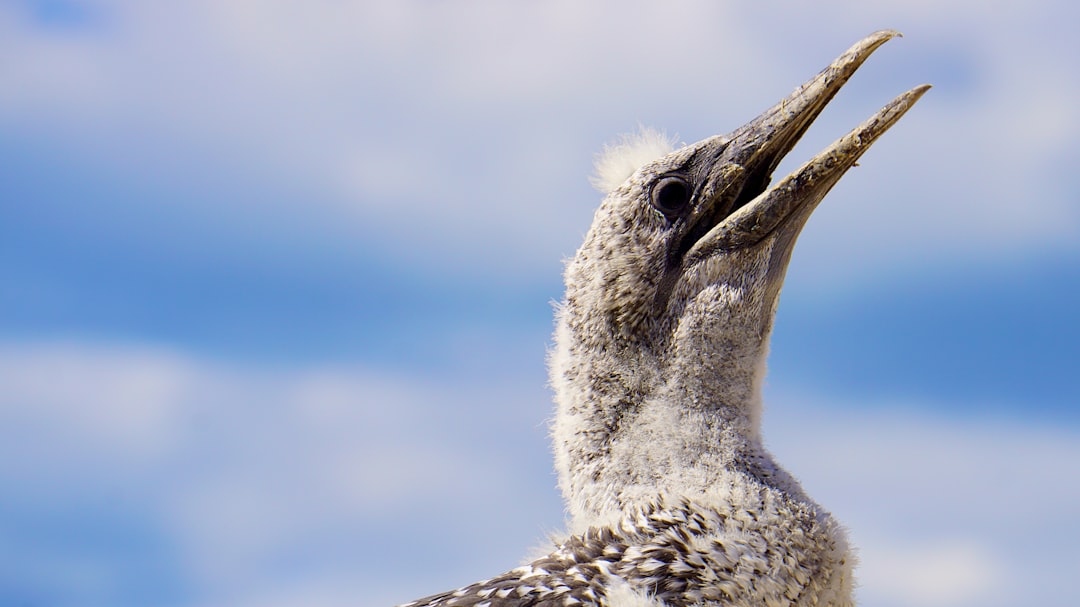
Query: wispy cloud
point(370, 488)
point(465, 126)
point(239, 470)
point(946, 509)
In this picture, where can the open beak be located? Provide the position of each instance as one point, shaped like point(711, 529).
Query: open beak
point(744, 210)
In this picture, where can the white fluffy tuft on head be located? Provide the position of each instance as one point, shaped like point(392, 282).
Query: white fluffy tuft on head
point(630, 152)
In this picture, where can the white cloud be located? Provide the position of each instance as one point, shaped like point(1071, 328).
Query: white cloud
point(946, 510)
point(932, 572)
point(381, 485)
point(59, 401)
point(460, 128)
point(241, 468)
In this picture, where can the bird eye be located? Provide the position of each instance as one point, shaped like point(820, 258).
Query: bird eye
point(670, 195)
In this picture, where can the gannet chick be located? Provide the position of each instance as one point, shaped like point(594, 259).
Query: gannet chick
point(657, 368)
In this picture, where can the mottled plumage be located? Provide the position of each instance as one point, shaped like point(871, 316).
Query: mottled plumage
point(683, 553)
point(659, 357)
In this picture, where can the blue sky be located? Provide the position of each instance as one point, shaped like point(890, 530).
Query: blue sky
point(277, 281)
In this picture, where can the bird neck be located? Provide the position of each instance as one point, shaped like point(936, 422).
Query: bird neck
point(633, 423)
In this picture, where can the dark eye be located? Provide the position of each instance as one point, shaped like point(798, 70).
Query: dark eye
point(670, 195)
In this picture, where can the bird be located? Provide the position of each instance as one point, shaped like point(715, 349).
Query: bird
point(657, 367)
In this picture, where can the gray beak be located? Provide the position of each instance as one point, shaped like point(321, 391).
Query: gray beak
point(745, 210)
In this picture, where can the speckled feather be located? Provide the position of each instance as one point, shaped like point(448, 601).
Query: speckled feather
point(685, 553)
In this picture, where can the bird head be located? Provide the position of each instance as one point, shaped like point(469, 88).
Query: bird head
point(670, 300)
